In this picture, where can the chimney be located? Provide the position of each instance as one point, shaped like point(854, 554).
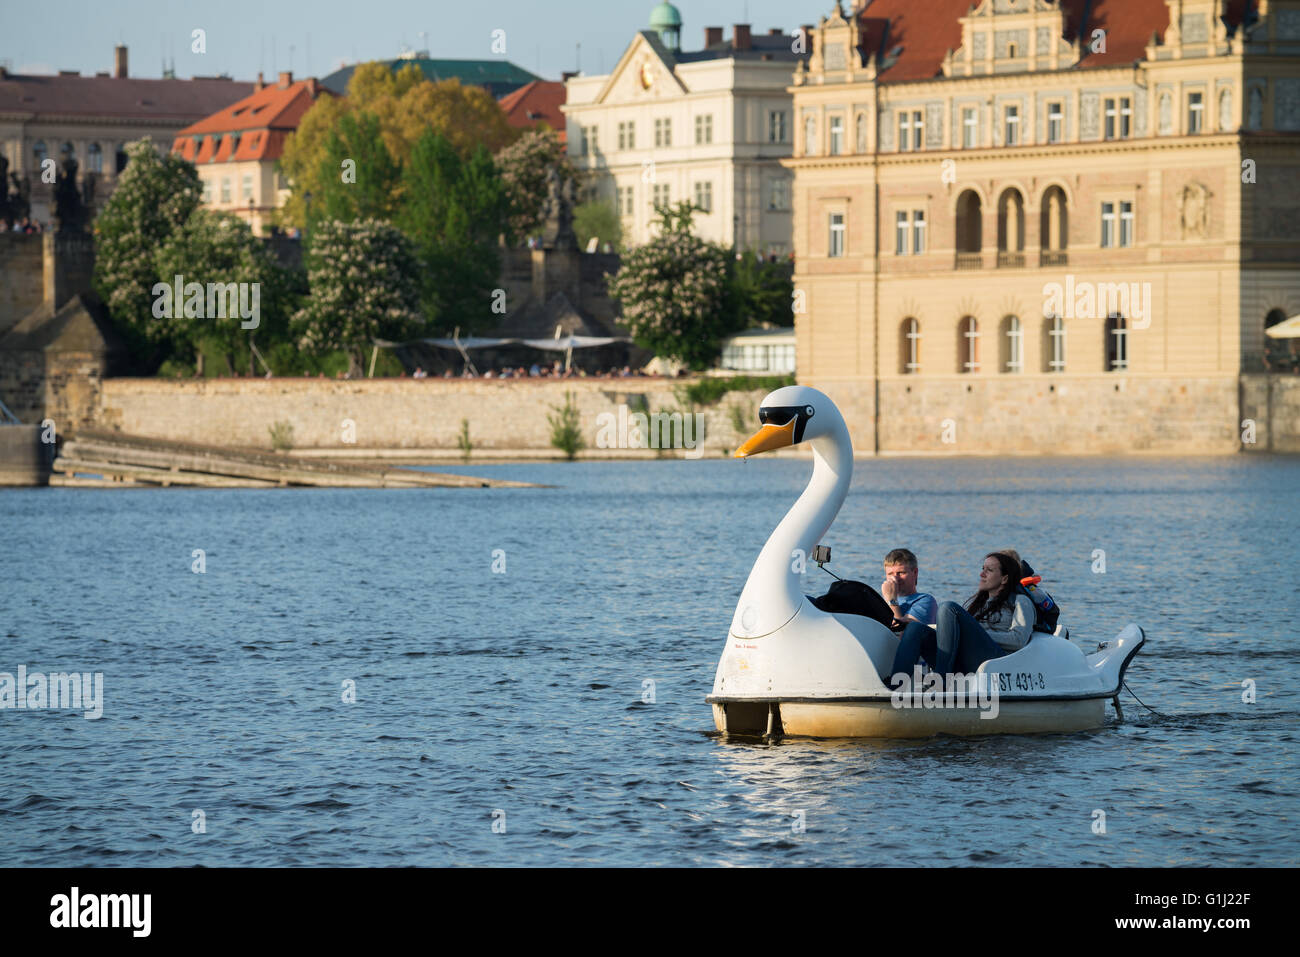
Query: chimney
point(260, 84)
point(313, 87)
point(286, 79)
point(740, 38)
point(774, 32)
point(568, 75)
point(712, 36)
point(119, 61)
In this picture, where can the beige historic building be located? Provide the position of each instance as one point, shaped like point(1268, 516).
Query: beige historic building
point(1046, 225)
point(93, 118)
point(709, 126)
point(237, 149)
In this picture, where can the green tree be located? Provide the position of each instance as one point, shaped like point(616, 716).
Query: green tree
point(525, 165)
point(763, 292)
point(676, 292)
point(358, 178)
point(600, 219)
point(455, 210)
point(153, 199)
point(363, 287)
point(214, 247)
point(405, 104)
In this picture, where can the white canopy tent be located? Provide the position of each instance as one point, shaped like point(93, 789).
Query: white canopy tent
point(1286, 329)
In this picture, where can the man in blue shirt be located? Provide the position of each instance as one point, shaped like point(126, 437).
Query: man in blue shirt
point(899, 589)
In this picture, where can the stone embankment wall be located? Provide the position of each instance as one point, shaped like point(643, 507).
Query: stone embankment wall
point(1271, 404)
point(401, 414)
point(1078, 415)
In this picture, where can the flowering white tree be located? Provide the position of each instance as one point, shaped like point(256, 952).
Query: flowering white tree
point(154, 198)
point(363, 279)
point(676, 292)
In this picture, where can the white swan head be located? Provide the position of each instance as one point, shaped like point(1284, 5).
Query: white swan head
point(791, 415)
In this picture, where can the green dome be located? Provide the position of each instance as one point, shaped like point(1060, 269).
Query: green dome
point(665, 16)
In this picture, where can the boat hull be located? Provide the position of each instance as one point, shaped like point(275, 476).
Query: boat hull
point(882, 719)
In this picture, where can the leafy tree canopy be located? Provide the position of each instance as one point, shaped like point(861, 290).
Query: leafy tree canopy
point(154, 198)
point(600, 219)
point(455, 209)
point(405, 104)
point(524, 167)
point(676, 292)
point(363, 287)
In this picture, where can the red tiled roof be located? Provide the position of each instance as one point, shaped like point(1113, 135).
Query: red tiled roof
point(259, 124)
point(923, 31)
point(538, 100)
point(107, 96)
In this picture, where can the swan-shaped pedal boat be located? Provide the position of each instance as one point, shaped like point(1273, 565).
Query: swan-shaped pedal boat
point(790, 668)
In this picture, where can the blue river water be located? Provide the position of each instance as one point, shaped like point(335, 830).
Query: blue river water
point(500, 642)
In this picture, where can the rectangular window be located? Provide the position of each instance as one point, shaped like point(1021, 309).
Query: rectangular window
point(703, 129)
point(779, 194)
point(837, 135)
point(918, 232)
point(969, 128)
point(627, 135)
point(1055, 122)
point(661, 194)
point(1057, 335)
point(207, 191)
point(663, 132)
point(225, 189)
point(1126, 224)
point(247, 186)
point(1119, 117)
point(625, 200)
point(1011, 116)
point(1107, 225)
point(836, 247)
point(910, 128)
point(704, 196)
point(1195, 112)
point(901, 231)
point(776, 127)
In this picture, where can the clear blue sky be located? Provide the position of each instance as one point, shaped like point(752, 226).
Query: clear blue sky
point(244, 36)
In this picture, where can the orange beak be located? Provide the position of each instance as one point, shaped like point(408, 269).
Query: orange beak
point(766, 439)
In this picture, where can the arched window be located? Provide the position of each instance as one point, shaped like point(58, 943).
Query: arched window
point(1053, 228)
point(94, 158)
point(1011, 222)
point(39, 154)
point(910, 347)
point(120, 159)
point(968, 345)
point(1054, 344)
point(1279, 355)
point(1012, 341)
point(68, 151)
point(1116, 344)
point(969, 230)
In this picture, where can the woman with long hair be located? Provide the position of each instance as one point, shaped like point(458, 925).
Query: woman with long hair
point(996, 621)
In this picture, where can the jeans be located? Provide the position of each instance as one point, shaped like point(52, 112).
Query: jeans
point(957, 640)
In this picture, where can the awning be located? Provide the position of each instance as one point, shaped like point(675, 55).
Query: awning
point(1286, 329)
point(475, 342)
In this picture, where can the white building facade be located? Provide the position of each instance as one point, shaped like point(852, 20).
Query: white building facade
point(710, 127)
